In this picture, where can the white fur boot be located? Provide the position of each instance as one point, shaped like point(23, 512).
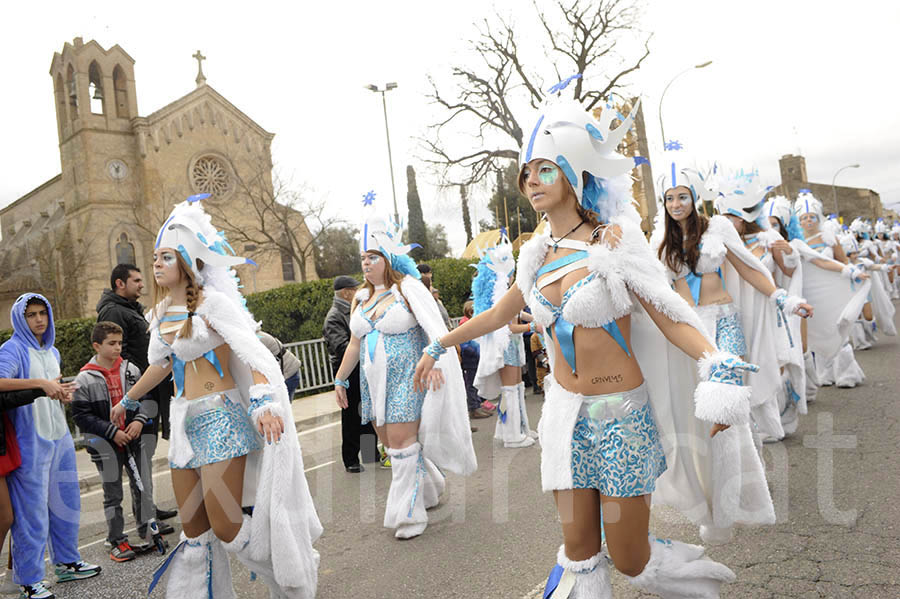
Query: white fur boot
point(848, 373)
point(869, 330)
point(433, 484)
point(509, 419)
point(199, 569)
point(858, 337)
point(588, 579)
point(825, 371)
point(405, 509)
point(263, 568)
point(787, 404)
point(812, 381)
point(523, 414)
point(678, 570)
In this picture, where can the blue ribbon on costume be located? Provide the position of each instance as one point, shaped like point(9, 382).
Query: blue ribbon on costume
point(561, 262)
point(782, 320)
point(178, 370)
point(694, 281)
point(553, 580)
point(161, 569)
point(420, 468)
point(372, 342)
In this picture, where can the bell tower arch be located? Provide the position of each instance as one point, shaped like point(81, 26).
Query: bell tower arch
point(95, 99)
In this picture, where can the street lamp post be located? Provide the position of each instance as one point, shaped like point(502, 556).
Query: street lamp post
point(663, 95)
point(834, 189)
point(388, 87)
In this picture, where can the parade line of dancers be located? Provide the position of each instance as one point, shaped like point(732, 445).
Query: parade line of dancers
point(670, 363)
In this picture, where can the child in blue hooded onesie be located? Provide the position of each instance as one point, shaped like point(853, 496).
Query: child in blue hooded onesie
point(44, 490)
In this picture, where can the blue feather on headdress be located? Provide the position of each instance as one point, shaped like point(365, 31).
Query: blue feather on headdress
point(794, 230)
point(404, 264)
point(483, 286)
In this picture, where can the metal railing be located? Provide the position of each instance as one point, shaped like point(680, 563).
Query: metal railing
point(315, 364)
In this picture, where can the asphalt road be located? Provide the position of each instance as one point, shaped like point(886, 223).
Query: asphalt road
point(834, 482)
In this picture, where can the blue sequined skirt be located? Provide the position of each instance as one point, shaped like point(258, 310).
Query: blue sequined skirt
point(615, 445)
point(218, 428)
point(512, 355)
point(402, 402)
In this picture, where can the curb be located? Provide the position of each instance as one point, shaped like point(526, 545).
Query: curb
point(161, 462)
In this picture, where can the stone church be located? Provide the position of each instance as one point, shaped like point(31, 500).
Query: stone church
point(122, 173)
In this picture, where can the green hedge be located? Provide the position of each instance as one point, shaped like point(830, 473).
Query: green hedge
point(293, 312)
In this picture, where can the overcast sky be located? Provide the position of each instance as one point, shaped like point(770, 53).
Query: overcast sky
point(811, 76)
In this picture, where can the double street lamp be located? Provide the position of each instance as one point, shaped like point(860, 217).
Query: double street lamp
point(834, 189)
point(388, 87)
point(661, 130)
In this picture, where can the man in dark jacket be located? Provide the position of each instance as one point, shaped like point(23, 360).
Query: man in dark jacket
point(119, 304)
point(336, 331)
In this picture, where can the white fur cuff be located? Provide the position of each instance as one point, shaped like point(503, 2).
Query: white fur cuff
point(791, 260)
point(848, 271)
point(722, 403)
point(776, 295)
point(791, 302)
point(573, 566)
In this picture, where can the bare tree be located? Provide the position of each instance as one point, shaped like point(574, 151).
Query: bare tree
point(61, 256)
point(276, 219)
point(581, 36)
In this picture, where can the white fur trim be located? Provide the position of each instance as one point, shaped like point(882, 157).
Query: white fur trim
point(573, 566)
point(558, 416)
point(678, 570)
point(531, 257)
point(767, 237)
point(773, 298)
point(406, 479)
point(708, 360)
point(271, 407)
point(722, 403)
point(791, 303)
point(740, 494)
point(791, 260)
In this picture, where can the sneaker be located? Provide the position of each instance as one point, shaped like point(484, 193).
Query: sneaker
point(122, 552)
point(76, 571)
point(35, 591)
point(479, 413)
point(385, 461)
point(488, 405)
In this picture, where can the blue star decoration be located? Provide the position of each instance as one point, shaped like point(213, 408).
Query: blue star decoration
point(673, 144)
point(563, 84)
point(369, 198)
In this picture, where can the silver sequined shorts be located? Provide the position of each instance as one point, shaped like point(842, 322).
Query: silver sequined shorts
point(615, 445)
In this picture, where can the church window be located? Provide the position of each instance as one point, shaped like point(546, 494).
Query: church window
point(95, 88)
point(60, 97)
point(287, 261)
point(121, 93)
point(212, 175)
point(124, 250)
point(72, 91)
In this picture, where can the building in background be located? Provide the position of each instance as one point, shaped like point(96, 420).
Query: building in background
point(121, 175)
point(851, 201)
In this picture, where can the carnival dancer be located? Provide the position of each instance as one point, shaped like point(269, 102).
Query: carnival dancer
point(775, 250)
point(233, 445)
point(596, 289)
point(502, 351)
point(43, 490)
point(838, 302)
point(878, 312)
point(391, 319)
point(731, 290)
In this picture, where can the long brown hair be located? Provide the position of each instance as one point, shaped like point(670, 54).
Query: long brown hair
point(678, 249)
point(192, 292)
point(391, 277)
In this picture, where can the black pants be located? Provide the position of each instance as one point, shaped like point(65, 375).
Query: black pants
point(530, 375)
point(356, 436)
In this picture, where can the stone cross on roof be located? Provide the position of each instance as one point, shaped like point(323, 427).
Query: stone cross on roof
point(201, 78)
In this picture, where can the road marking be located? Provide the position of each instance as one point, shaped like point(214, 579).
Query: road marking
point(318, 428)
point(98, 541)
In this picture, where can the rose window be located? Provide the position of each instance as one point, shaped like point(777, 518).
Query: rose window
point(210, 175)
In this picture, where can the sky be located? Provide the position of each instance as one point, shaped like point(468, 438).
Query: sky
point(787, 76)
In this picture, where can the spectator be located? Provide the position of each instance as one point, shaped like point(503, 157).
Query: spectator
point(336, 331)
point(290, 365)
point(44, 490)
point(468, 352)
point(427, 275)
point(541, 362)
point(119, 304)
point(102, 383)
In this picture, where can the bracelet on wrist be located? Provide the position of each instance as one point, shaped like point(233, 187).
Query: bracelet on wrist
point(257, 402)
point(130, 404)
point(435, 349)
point(531, 327)
point(338, 382)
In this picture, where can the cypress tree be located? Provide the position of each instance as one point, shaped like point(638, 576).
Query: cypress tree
point(415, 220)
point(467, 219)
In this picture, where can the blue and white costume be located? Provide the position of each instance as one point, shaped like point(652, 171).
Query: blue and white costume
point(500, 348)
point(614, 443)
point(838, 299)
point(44, 492)
point(390, 346)
point(276, 542)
